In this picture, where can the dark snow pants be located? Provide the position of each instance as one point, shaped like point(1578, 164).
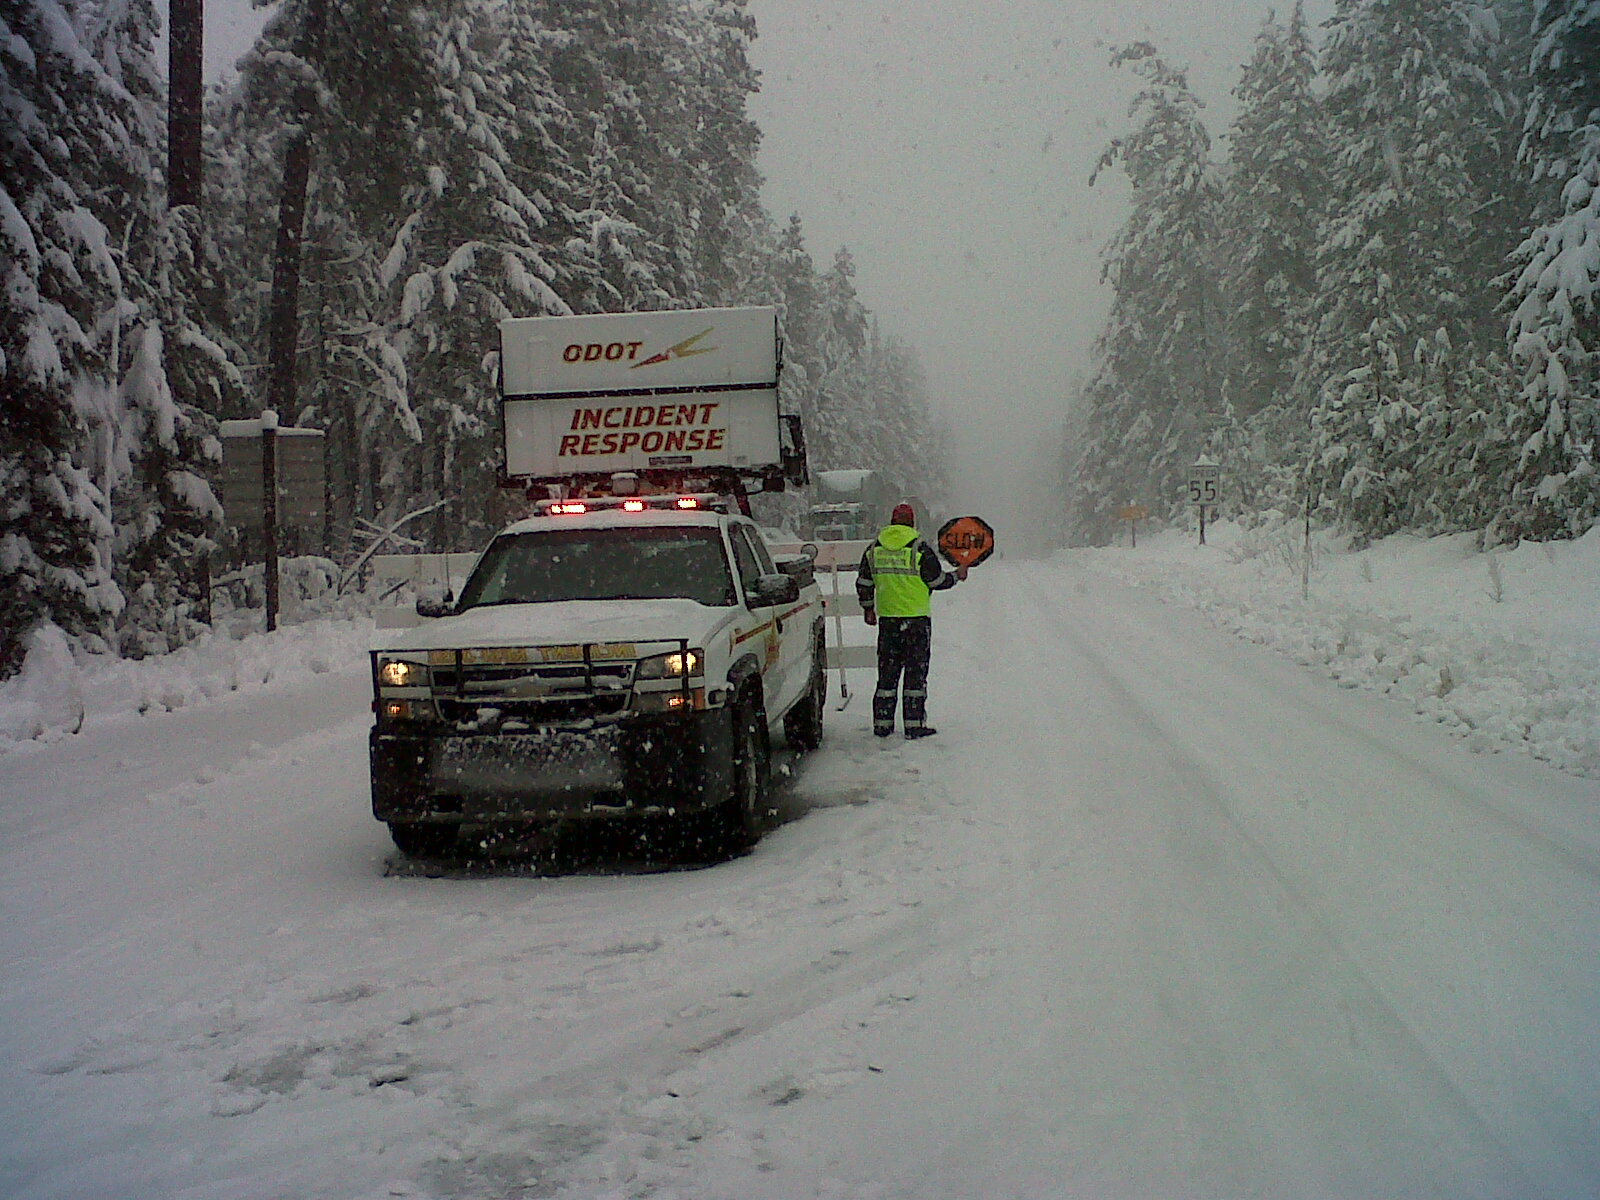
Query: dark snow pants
point(905, 645)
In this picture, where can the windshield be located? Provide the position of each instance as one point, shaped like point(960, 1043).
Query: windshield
point(603, 564)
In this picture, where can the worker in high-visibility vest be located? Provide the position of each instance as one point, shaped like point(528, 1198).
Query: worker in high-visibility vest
point(896, 579)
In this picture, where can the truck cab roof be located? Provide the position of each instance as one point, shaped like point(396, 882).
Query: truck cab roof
point(615, 518)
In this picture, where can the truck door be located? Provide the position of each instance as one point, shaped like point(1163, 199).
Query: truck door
point(776, 664)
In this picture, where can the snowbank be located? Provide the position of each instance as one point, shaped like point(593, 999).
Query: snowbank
point(56, 695)
point(1502, 647)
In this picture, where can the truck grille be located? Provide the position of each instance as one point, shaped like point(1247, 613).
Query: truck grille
point(534, 693)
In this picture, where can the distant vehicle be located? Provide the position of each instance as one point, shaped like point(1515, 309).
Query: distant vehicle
point(632, 647)
point(847, 505)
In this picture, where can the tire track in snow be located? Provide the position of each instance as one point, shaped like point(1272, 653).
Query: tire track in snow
point(1510, 1134)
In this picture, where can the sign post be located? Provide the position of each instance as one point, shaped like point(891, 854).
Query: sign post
point(1205, 478)
point(269, 513)
point(1133, 514)
point(273, 492)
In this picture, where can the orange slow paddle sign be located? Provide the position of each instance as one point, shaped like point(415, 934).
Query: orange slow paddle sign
point(966, 541)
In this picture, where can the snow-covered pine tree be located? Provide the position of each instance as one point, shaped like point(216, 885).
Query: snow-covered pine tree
point(171, 372)
point(467, 253)
point(359, 92)
point(722, 170)
point(797, 291)
point(1420, 128)
point(665, 146)
point(608, 68)
point(910, 439)
point(595, 154)
point(844, 317)
point(1157, 391)
point(845, 420)
point(60, 275)
point(1554, 424)
point(1272, 202)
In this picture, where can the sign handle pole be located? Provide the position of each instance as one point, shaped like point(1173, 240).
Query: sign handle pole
point(1202, 524)
point(269, 514)
point(838, 632)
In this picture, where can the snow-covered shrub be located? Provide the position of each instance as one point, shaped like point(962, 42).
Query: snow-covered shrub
point(45, 699)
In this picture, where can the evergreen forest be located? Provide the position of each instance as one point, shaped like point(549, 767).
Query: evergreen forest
point(332, 235)
point(1379, 307)
point(1376, 306)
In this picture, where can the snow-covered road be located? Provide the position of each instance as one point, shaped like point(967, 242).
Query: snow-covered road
point(1158, 914)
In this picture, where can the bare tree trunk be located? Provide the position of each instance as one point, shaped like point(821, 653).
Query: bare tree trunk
point(185, 102)
point(283, 319)
point(283, 314)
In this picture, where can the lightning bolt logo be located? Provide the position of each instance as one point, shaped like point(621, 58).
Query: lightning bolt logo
point(683, 349)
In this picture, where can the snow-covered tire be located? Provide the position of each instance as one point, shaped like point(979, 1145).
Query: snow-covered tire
point(423, 839)
point(802, 724)
point(735, 824)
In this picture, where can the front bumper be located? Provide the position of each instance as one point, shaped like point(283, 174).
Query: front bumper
point(639, 765)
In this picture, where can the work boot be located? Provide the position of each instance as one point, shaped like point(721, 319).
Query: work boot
point(920, 731)
point(880, 732)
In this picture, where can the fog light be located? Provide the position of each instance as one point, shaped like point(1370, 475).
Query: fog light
point(670, 702)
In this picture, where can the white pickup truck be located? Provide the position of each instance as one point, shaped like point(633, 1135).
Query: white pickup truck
point(607, 657)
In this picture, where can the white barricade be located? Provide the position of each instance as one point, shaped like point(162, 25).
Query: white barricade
point(836, 563)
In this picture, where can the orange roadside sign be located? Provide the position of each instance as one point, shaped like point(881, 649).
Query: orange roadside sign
point(966, 541)
point(1133, 512)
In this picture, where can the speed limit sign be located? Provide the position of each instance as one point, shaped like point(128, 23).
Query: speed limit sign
point(1204, 483)
point(1204, 489)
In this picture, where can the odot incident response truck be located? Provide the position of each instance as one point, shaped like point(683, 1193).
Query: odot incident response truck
point(631, 648)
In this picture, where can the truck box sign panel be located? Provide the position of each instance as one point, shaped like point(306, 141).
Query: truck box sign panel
point(594, 434)
point(614, 353)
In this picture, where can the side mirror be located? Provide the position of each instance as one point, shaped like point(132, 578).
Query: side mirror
point(430, 607)
point(775, 589)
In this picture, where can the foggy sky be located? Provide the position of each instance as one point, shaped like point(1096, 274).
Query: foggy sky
point(949, 144)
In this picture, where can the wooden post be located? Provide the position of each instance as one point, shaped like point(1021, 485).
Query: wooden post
point(1133, 514)
point(269, 511)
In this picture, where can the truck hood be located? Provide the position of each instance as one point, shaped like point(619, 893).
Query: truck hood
point(564, 623)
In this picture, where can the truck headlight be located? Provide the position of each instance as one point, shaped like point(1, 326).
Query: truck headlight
point(397, 672)
point(670, 666)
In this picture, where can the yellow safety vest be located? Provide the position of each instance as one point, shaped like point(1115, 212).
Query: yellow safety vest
point(897, 573)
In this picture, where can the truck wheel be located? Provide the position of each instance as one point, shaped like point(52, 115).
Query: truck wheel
point(424, 839)
point(736, 822)
point(802, 725)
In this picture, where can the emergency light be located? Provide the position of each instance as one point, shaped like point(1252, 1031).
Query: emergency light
point(682, 503)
